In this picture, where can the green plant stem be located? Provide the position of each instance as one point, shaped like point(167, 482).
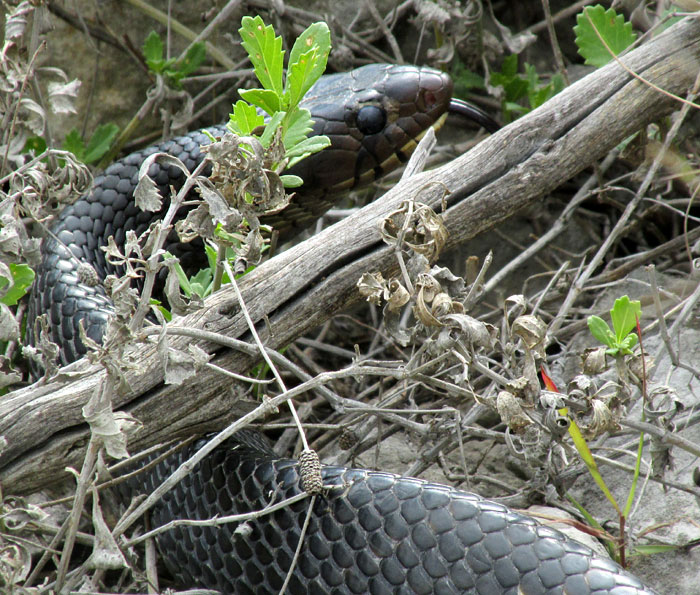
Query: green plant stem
point(219, 270)
point(186, 32)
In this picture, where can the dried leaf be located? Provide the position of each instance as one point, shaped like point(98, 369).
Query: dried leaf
point(511, 411)
point(371, 286)
point(16, 20)
point(62, 96)
point(396, 296)
point(179, 304)
point(196, 224)
point(532, 331)
point(147, 197)
point(106, 554)
point(9, 327)
point(394, 327)
point(219, 209)
point(179, 365)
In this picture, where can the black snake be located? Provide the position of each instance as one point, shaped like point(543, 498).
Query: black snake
point(378, 532)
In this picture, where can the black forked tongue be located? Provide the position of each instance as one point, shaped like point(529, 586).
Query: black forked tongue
point(467, 110)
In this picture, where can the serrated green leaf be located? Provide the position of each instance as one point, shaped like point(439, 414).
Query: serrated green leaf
point(509, 68)
point(74, 143)
point(291, 181)
point(307, 62)
point(22, 279)
point(465, 79)
point(265, 99)
point(265, 52)
point(628, 343)
point(193, 59)
point(271, 127)
point(99, 143)
point(595, 23)
point(298, 126)
point(244, 119)
point(153, 51)
point(601, 331)
point(309, 145)
point(624, 316)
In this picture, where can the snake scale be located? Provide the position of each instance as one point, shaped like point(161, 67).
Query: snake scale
point(377, 532)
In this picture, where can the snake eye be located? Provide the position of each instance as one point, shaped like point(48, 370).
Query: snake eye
point(371, 119)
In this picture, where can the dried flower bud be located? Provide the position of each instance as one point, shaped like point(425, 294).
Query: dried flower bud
point(310, 472)
point(348, 439)
point(87, 275)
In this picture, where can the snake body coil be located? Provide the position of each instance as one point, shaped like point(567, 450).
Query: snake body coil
point(377, 532)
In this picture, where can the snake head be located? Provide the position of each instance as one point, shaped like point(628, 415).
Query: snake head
point(374, 117)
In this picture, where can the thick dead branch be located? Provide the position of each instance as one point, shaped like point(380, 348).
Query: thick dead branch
point(41, 427)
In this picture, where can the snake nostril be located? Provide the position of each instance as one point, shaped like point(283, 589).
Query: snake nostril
point(371, 119)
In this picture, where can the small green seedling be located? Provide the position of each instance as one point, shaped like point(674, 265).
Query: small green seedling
point(517, 87)
point(172, 69)
point(281, 95)
point(602, 33)
point(624, 316)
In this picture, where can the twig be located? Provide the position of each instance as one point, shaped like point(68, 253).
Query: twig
point(297, 551)
point(77, 510)
point(263, 351)
point(557, 228)
point(217, 521)
point(556, 50)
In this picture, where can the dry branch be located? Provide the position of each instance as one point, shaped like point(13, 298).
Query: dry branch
point(41, 427)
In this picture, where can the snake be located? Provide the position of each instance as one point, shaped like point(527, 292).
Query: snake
point(368, 531)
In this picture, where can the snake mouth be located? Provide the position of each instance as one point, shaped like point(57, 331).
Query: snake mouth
point(471, 112)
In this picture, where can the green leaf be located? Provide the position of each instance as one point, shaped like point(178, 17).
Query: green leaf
point(624, 316)
point(587, 457)
point(307, 62)
point(36, 144)
point(244, 119)
point(153, 51)
point(22, 279)
point(201, 282)
point(266, 100)
point(265, 52)
point(601, 331)
point(74, 143)
point(272, 125)
point(193, 58)
point(211, 255)
point(291, 181)
point(308, 146)
point(628, 343)
point(99, 143)
point(298, 124)
point(465, 79)
point(596, 25)
point(163, 310)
